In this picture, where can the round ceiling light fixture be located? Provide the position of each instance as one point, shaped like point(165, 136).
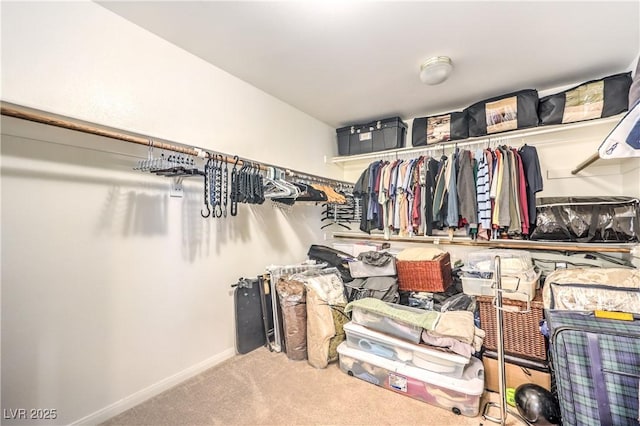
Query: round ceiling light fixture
point(435, 70)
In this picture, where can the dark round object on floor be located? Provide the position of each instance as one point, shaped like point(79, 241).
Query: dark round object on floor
point(456, 411)
point(537, 405)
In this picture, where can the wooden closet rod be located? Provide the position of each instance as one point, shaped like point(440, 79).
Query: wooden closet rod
point(42, 117)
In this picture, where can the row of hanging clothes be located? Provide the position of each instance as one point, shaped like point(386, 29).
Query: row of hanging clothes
point(487, 192)
point(247, 183)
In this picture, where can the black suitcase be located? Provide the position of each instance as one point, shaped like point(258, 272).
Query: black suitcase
point(250, 332)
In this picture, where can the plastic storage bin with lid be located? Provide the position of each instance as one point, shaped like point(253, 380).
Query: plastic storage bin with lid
point(518, 277)
point(421, 356)
point(459, 395)
point(388, 318)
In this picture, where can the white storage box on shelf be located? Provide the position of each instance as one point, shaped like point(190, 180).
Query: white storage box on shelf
point(422, 356)
point(460, 395)
point(518, 276)
point(383, 324)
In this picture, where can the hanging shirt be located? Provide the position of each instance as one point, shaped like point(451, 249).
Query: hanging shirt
point(404, 213)
point(383, 197)
point(431, 176)
point(466, 188)
point(408, 191)
point(422, 182)
point(531, 165)
point(400, 197)
point(439, 192)
point(482, 191)
point(361, 191)
point(522, 195)
point(496, 184)
point(502, 198)
point(452, 195)
point(514, 204)
point(393, 193)
point(417, 195)
point(371, 207)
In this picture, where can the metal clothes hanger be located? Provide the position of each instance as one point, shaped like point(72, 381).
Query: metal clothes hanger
point(206, 189)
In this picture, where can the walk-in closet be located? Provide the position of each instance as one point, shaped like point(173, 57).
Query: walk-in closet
point(320, 212)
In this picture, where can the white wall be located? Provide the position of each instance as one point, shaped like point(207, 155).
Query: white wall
point(631, 179)
point(112, 290)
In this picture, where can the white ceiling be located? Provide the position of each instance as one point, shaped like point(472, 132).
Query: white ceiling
point(347, 62)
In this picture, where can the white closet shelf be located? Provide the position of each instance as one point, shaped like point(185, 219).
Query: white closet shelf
point(507, 244)
point(534, 131)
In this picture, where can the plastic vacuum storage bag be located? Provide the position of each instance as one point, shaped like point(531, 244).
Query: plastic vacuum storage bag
point(294, 314)
point(587, 219)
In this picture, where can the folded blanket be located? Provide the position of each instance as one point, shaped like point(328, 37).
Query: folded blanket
point(456, 324)
point(454, 345)
point(424, 319)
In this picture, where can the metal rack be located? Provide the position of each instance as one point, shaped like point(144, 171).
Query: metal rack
point(502, 381)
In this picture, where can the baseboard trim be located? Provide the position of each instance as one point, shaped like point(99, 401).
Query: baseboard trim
point(142, 395)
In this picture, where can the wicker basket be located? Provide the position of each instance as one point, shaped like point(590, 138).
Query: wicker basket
point(522, 337)
point(425, 275)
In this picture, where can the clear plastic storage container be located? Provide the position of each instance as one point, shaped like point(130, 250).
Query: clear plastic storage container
point(459, 395)
point(519, 279)
point(511, 262)
point(521, 287)
point(421, 356)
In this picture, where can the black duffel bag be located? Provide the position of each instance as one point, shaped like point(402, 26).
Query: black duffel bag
point(336, 258)
point(587, 219)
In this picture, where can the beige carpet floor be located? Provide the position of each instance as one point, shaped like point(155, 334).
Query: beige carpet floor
point(264, 388)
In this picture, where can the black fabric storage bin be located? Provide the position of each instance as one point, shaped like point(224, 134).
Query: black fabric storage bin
point(587, 219)
point(440, 128)
point(380, 135)
point(594, 99)
point(514, 111)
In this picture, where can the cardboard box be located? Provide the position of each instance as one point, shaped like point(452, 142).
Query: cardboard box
point(515, 374)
